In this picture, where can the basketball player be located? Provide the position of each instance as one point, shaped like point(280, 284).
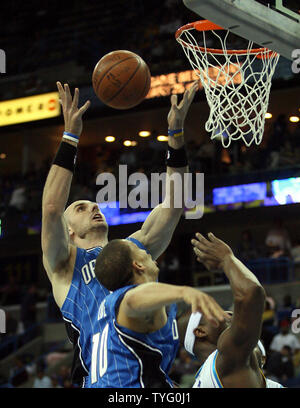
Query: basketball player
point(227, 352)
point(260, 353)
point(72, 238)
point(135, 339)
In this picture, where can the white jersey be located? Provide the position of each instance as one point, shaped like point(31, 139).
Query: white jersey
point(273, 384)
point(207, 376)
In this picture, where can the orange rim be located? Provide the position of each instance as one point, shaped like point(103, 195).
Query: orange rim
point(206, 25)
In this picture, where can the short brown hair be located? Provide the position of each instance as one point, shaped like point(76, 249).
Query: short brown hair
point(114, 265)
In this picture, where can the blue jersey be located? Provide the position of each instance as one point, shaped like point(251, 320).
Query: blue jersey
point(80, 309)
point(126, 359)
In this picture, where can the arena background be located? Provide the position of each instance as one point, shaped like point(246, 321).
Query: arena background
point(62, 41)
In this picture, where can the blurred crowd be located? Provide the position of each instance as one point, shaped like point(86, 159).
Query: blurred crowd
point(30, 372)
point(146, 28)
point(20, 205)
point(280, 148)
point(281, 340)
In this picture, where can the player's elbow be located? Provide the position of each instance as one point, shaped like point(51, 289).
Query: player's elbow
point(51, 210)
point(258, 294)
point(254, 295)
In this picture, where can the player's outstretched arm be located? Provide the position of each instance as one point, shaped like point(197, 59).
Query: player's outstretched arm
point(236, 343)
point(55, 236)
point(157, 230)
point(146, 303)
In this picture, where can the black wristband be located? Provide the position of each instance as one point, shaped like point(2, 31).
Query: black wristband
point(66, 156)
point(176, 157)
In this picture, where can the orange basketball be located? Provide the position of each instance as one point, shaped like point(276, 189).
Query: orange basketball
point(121, 79)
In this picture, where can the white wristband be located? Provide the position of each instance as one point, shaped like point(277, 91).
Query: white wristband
point(70, 136)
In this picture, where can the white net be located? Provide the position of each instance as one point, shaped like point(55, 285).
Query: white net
point(237, 84)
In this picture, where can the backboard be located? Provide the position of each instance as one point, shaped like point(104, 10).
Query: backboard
point(273, 26)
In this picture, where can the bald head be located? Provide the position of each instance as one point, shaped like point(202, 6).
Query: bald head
point(71, 209)
point(84, 217)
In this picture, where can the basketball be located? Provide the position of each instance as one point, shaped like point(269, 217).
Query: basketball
point(121, 79)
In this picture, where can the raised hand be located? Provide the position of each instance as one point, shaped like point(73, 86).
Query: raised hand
point(178, 112)
point(205, 304)
point(211, 252)
point(72, 114)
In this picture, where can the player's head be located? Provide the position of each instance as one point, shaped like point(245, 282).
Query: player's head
point(122, 263)
point(198, 335)
point(83, 217)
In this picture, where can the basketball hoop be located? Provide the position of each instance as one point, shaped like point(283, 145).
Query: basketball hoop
point(237, 83)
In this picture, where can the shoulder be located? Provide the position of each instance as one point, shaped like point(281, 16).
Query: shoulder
point(113, 300)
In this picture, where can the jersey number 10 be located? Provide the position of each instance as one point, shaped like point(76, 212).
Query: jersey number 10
point(99, 355)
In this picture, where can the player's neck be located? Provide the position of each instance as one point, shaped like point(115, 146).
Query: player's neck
point(204, 352)
point(92, 240)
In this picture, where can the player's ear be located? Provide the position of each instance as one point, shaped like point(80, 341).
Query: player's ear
point(71, 233)
point(200, 332)
point(138, 267)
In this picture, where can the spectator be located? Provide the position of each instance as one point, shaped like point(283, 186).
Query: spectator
point(284, 311)
point(269, 314)
point(54, 382)
point(269, 327)
point(18, 373)
point(205, 156)
point(28, 307)
point(41, 380)
point(170, 27)
point(169, 265)
point(157, 51)
point(276, 141)
point(64, 375)
point(53, 311)
point(18, 198)
point(295, 139)
point(10, 293)
point(54, 358)
point(184, 369)
point(129, 158)
point(247, 248)
point(11, 324)
point(295, 251)
point(285, 338)
point(271, 301)
point(68, 384)
point(31, 365)
point(280, 365)
point(278, 238)
point(287, 155)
